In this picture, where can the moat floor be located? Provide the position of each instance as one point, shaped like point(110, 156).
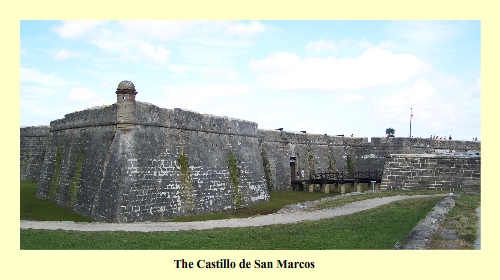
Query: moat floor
point(281, 218)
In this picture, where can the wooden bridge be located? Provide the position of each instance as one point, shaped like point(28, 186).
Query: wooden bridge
point(324, 179)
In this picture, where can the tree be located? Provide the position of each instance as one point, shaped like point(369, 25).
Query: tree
point(390, 132)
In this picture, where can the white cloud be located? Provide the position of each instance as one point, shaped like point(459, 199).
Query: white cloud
point(63, 54)
point(433, 113)
point(201, 41)
point(375, 67)
point(179, 70)
point(219, 73)
point(348, 98)
point(266, 118)
point(456, 86)
point(170, 30)
point(39, 91)
point(132, 49)
point(199, 97)
point(36, 112)
point(427, 32)
point(321, 46)
point(48, 80)
point(330, 46)
point(82, 94)
point(213, 74)
point(277, 62)
point(288, 103)
point(165, 30)
point(116, 44)
point(103, 84)
point(365, 45)
point(445, 81)
point(422, 97)
point(211, 90)
point(387, 45)
point(83, 98)
point(158, 55)
point(74, 29)
point(245, 29)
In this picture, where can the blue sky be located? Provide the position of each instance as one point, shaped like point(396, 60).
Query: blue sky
point(334, 77)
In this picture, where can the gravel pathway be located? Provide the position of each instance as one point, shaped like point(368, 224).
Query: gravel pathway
point(289, 214)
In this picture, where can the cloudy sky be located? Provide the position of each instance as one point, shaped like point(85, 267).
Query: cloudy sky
point(334, 77)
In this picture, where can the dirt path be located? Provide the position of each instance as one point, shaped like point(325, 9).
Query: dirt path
point(282, 218)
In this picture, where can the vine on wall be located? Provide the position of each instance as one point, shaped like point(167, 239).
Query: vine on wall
point(350, 164)
point(186, 192)
point(332, 164)
point(234, 176)
point(42, 158)
point(267, 170)
point(310, 162)
point(55, 176)
point(74, 185)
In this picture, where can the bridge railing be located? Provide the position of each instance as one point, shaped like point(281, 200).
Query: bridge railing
point(375, 175)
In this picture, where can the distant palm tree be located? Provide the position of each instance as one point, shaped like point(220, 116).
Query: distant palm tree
point(390, 132)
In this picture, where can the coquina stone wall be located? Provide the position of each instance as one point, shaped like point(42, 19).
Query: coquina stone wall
point(79, 171)
point(283, 151)
point(34, 141)
point(372, 155)
point(442, 172)
point(155, 165)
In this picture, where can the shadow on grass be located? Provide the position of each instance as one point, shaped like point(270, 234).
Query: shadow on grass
point(35, 209)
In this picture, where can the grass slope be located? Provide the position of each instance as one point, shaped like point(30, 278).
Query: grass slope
point(35, 209)
point(379, 228)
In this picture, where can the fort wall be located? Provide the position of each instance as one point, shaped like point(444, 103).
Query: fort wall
point(207, 165)
point(166, 164)
point(371, 155)
point(442, 172)
point(286, 153)
point(34, 141)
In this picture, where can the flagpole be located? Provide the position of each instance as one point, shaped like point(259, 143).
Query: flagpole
point(411, 116)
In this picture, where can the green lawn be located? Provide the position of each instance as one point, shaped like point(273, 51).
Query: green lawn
point(35, 209)
point(379, 228)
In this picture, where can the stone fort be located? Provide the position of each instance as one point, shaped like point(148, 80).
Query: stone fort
point(133, 161)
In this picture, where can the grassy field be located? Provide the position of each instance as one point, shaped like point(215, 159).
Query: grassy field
point(379, 228)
